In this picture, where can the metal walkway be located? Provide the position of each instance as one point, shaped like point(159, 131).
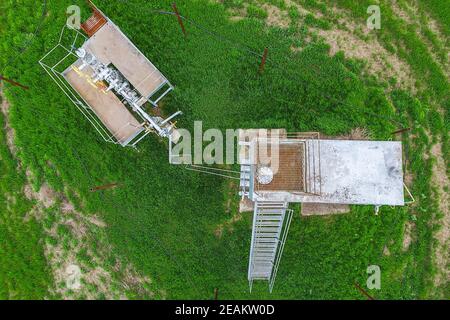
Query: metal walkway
point(271, 221)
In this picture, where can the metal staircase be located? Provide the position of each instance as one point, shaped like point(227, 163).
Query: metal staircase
point(271, 221)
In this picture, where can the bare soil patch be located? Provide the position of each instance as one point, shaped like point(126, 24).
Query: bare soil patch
point(408, 235)
point(411, 14)
point(276, 17)
point(246, 205)
point(355, 134)
point(4, 107)
point(380, 62)
point(227, 225)
point(441, 181)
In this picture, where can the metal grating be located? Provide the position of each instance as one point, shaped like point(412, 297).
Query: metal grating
point(94, 23)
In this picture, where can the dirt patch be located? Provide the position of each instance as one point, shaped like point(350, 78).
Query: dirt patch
point(441, 181)
point(406, 14)
point(237, 14)
point(72, 250)
point(408, 235)
point(73, 277)
point(46, 196)
point(411, 14)
point(276, 17)
point(380, 62)
point(133, 281)
point(8, 129)
point(323, 209)
point(301, 10)
point(227, 225)
point(355, 134)
point(359, 134)
point(246, 205)
point(80, 269)
point(67, 207)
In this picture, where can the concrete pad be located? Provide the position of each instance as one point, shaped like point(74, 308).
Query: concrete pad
point(323, 209)
point(353, 172)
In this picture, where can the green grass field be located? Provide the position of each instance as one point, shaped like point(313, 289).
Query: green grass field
point(162, 219)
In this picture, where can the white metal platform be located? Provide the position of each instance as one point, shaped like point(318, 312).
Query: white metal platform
point(353, 172)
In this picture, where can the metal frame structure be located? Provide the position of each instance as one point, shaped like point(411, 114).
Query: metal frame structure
point(311, 169)
point(166, 81)
point(96, 10)
point(58, 78)
point(89, 113)
point(269, 234)
point(147, 124)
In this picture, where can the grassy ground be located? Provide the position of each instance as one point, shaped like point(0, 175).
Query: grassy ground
point(24, 270)
point(163, 218)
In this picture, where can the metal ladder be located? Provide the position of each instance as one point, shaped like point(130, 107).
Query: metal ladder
point(246, 168)
point(245, 180)
point(271, 221)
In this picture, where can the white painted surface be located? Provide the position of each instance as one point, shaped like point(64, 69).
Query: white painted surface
point(354, 172)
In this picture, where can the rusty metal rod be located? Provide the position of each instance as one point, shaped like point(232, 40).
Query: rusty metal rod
point(263, 61)
point(180, 21)
point(401, 131)
point(364, 292)
point(14, 82)
point(105, 187)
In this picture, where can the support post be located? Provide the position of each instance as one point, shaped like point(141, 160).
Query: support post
point(105, 187)
point(14, 83)
point(180, 20)
point(401, 131)
point(216, 293)
point(263, 61)
point(364, 292)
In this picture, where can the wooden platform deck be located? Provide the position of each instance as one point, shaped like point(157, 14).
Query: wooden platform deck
point(108, 108)
point(110, 45)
